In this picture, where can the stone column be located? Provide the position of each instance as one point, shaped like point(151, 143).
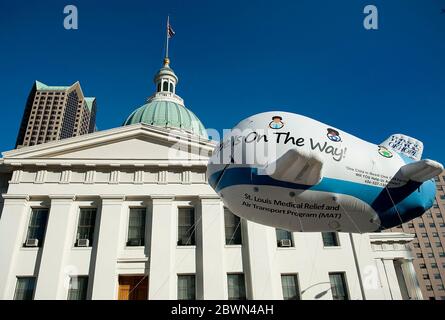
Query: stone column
point(391, 275)
point(210, 267)
point(262, 280)
point(52, 282)
point(108, 223)
point(12, 230)
point(383, 279)
point(162, 279)
point(409, 274)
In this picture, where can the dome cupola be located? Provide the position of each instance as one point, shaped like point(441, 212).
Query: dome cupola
point(165, 108)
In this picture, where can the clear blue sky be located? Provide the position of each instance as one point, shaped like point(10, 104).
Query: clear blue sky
point(238, 58)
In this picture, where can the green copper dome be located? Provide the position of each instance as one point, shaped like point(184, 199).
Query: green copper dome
point(167, 114)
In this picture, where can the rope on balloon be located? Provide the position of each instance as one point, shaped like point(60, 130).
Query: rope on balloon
point(394, 205)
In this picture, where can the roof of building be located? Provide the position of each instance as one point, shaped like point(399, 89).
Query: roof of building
point(42, 86)
point(165, 108)
point(167, 114)
point(89, 102)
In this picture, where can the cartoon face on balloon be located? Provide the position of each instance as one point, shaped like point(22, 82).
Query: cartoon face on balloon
point(333, 135)
point(276, 122)
point(383, 151)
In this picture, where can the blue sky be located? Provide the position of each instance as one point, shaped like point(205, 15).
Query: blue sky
point(238, 58)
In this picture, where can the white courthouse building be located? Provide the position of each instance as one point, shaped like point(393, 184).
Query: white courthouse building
point(126, 213)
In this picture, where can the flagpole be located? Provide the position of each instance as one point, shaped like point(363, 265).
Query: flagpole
point(166, 34)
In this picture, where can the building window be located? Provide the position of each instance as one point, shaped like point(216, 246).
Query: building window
point(429, 288)
point(284, 238)
point(291, 290)
point(136, 227)
point(85, 229)
point(440, 287)
point(37, 227)
point(425, 276)
point(232, 224)
point(438, 245)
point(338, 286)
point(186, 226)
point(432, 225)
point(236, 286)
point(442, 254)
point(419, 255)
point(421, 225)
point(78, 288)
point(416, 245)
point(427, 245)
point(424, 235)
point(159, 87)
point(171, 87)
point(437, 276)
point(411, 225)
point(186, 287)
point(24, 289)
point(430, 255)
point(422, 266)
point(434, 265)
point(330, 239)
point(165, 86)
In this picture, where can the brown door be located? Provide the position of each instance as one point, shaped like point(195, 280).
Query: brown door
point(133, 288)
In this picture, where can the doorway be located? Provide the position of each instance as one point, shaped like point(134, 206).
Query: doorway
point(133, 287)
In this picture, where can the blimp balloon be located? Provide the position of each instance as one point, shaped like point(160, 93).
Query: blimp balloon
point(291, 172)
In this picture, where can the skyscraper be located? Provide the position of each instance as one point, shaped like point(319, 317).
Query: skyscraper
point(428, 245)
point(55, 113)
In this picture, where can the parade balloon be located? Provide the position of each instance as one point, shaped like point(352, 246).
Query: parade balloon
point(291, 172)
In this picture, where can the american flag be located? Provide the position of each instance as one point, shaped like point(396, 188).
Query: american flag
point(170, 32)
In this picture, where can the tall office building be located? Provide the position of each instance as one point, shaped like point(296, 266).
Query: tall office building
point(55, 113)
point(428, 245)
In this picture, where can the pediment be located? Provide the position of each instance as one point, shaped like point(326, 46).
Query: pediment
point(136, 143)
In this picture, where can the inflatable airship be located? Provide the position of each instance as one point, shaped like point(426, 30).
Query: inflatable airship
point(291, 172)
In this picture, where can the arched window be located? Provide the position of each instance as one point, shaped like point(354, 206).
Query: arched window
point(165, 86)
point(171, 87)
point(159, 87)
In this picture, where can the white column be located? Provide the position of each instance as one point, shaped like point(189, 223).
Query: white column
point(210, 271)
point(392, 279)
point(52, 282)
point(12, 228)
point(105, 279)
point(409, 273)
point(162, 279)
point(263, 279)
point(383, 279)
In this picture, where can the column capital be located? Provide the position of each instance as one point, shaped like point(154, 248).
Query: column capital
point(117, 197)
point(15, 198)
point(162, 198)
point(116, 200)
point(406, 259)
point(8, 196)
point(55, 197)
point(209, 198)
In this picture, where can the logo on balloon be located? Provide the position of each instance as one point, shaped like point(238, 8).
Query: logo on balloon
point(385, 152)
point(276, 123)
point(333, 135)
